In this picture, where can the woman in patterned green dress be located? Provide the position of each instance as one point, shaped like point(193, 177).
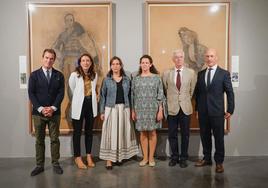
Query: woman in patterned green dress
point(147, 98)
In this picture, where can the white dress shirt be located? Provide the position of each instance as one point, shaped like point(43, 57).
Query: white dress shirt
point(45, 71)
point(212, 72)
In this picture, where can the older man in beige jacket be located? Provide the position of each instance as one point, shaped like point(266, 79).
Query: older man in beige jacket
point(179, 83)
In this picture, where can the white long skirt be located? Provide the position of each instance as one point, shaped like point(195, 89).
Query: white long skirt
point(118, 139)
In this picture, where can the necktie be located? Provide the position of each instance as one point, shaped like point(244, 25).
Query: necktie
point(209, 77)
point(48, 76)
point(178, 81)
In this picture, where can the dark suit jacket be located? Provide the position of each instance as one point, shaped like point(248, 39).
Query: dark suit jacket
point(43, 94)
point(210, 101)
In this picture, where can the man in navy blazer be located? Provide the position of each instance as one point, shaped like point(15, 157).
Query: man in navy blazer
point(46, 92)
point(211, 85)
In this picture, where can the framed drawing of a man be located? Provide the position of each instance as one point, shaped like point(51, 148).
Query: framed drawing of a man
point(193, 27)
point(71, 30)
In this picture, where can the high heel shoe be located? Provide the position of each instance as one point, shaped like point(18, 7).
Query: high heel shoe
point(90, 162)
point(79, 163)
point(109, 165)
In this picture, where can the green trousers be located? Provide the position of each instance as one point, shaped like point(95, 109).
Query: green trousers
point(53, 124)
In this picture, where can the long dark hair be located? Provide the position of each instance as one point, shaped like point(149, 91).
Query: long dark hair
point(91, 71)
point(152, 68)
point(122, 71)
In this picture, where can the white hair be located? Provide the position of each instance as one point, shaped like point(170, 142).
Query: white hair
point(178, 51)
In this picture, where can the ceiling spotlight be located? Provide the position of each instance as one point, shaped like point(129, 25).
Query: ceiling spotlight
point(214, 8)
point(31, 7)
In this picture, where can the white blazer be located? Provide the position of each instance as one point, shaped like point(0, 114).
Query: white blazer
point(76, 85)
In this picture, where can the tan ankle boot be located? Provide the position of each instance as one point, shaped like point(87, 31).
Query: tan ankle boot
point(79, 163)
point(90, 162)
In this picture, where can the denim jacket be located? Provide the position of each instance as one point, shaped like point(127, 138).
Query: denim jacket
point(108, 92)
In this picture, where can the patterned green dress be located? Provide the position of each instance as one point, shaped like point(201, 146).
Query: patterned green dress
point(146, 95)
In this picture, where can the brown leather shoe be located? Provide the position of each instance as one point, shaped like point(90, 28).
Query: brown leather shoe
point(79, 163)
point(201, 163)
point(219, 168)
point(90, 162)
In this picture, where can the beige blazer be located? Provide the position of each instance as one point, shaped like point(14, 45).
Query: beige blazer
point(179, 99)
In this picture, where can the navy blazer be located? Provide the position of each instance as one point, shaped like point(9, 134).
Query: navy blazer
point(43, 94)
point(210, 101)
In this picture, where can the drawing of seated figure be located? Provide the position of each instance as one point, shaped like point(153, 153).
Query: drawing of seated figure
point(194, 51)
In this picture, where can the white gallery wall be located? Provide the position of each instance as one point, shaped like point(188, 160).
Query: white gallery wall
point(249, 40)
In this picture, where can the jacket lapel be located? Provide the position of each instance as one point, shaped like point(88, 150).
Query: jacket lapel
point(185, 75)
point(203, 82)
point(214, 77)
point(53, 76)
point(42, 75)
point(172, 78)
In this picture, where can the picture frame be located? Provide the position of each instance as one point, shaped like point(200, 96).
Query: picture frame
point(71, 29)
point(191, 26)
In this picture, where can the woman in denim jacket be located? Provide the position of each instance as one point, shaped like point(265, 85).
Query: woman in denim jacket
point(118, 140)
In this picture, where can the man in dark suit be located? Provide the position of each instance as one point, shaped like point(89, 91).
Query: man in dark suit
point(46, 92)
point(211, 85)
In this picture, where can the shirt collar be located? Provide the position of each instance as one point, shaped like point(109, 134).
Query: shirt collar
point(213, 67)
point(181, 69)
point(45, 70)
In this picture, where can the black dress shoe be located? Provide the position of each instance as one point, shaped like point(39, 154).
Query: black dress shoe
point(109, 167)
point(118, 163)
point(172, 162)
point(183, 164)
point(57, 169)
point(37, 170)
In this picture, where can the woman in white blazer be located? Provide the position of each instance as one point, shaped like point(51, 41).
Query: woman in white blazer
point(84, 90)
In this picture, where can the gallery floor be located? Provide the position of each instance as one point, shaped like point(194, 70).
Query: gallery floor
point(244, 172)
